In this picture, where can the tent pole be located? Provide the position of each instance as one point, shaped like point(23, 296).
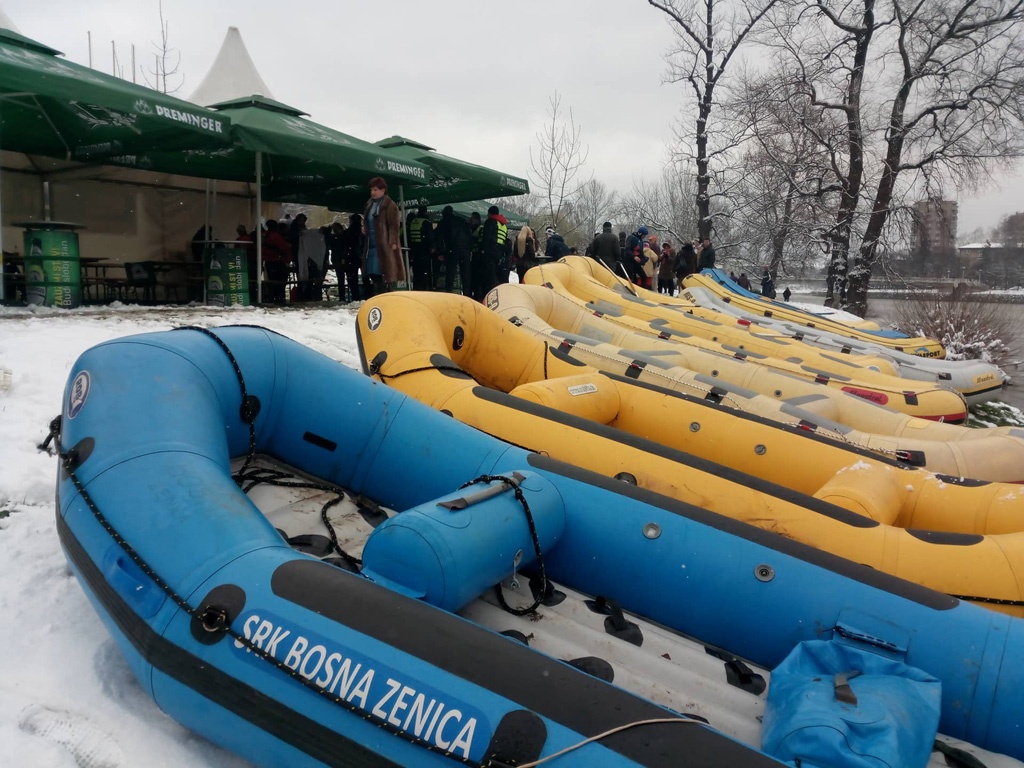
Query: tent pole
point(403, 236)
point(259, 228)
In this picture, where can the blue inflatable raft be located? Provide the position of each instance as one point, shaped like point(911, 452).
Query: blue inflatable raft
point(290, 660)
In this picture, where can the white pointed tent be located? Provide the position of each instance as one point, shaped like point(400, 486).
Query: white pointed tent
point(233, 75)
point(6, 23)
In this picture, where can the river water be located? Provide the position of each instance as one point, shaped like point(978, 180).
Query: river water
point(883, 312)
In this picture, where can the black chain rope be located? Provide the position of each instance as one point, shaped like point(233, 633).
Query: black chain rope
point(545, 586)
point(214, 619)
point(989, 600)
point(374, 369)
point(267, 476)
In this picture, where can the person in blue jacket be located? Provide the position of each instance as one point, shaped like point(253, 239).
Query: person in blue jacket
point(555, 248)
point(633, 259)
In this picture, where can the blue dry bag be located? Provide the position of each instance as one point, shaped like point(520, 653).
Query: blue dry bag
point(842, 707)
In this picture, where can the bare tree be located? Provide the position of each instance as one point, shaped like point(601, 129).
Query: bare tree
point(167, 60)
point(931, 96)
point(594, 204)
point(709, 33)
point(557, 166)
point(783, 173)
point(666, 205)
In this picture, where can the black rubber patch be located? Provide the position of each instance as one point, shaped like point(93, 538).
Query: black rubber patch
point(447, 367)
point(913, 458)
point(595, 667)
point(910, 397)
point(715, 395)
point(550, 597)
point(561, 354)
point(966, 482)
point(516, 635)
point(946, 537)
point(320, 442)
point(315, 544)
point(458, 338)
point(616, 624)
point(636, 367)
point(739, 675)
point(519, 738)
point(228, 599)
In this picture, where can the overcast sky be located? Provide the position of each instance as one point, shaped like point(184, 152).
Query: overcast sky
point(470, 78)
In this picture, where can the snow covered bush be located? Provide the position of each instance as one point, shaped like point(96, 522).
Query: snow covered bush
point(969, 330)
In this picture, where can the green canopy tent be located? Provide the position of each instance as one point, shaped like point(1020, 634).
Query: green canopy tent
point(452, 180)
point(463, 210)
point(306, 161)
point(289, 158)
point(53, 107)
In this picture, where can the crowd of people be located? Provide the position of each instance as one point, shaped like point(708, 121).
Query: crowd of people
point(469, 256)
point(644, 261)
point(367, 257)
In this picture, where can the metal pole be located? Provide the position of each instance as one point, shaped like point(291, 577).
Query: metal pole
point(259, 228)
point(402, 235)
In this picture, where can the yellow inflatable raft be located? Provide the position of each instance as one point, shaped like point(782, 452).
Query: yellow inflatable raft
point(856, 374)
point(459, 357)
point(976, 380)
point(761, 305)
point(995, 454)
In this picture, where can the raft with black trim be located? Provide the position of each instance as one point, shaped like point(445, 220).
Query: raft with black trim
point(976, 380)
point(762, 305)
point(321, 665)
point(994, 453)
point(856, 374)
point(289, 660)
point(454, 354)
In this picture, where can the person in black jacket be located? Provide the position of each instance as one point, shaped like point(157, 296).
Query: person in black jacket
point(707, 256)
point(605, 248)
point(350, 245)
point(492, 250)
point(420, 231)
point(686, 260)
point(454, 246)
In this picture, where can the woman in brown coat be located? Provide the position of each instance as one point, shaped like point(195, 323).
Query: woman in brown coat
point(382, 251)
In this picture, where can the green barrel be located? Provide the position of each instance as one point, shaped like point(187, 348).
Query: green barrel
point(227, 277)
point(53, 277)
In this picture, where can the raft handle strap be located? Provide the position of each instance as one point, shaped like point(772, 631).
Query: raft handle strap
point(475, 498)
point(513, 483)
